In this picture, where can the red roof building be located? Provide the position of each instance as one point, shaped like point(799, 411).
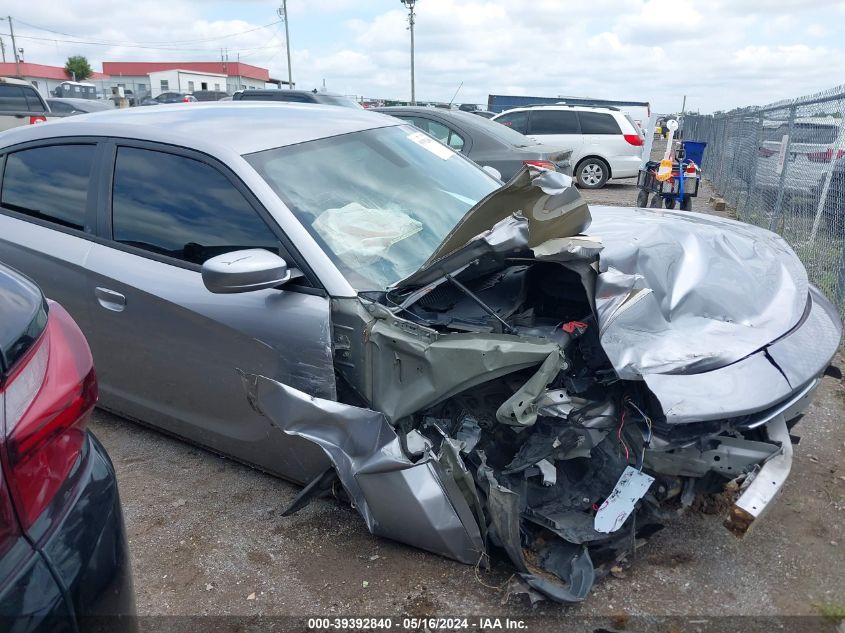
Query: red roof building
point(40, 71)
point(232, 69)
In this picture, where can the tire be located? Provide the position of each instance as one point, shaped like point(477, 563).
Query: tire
point(592, 173)
point(686, 203)
point(669, 203)
point(642, 198)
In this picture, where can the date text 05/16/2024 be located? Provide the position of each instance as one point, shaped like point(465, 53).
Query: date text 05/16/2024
point(416, 623)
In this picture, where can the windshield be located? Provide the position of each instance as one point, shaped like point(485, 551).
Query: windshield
point(500, 131)
point(378, 201)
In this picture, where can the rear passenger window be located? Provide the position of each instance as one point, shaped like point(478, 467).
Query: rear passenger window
point(554, 122)
point(180, 207)
point(33, 103)
point(439, 131)
point(50, 183)
point(516, 121)
point(598, 123)
point(12, 99)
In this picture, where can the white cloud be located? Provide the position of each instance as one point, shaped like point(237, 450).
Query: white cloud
point(721, 53)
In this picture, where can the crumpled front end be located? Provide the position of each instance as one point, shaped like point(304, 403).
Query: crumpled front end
point(540, 389)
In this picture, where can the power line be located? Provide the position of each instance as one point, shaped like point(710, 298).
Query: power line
point(139, 44)
point(117, 45)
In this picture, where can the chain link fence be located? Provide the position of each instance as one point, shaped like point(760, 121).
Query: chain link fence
point(781, 166)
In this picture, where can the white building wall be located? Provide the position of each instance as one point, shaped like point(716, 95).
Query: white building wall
point(184, 81)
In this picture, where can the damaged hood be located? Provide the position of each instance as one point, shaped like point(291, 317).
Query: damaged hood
point(681, 292)
point(547, 199)
point(673, 292)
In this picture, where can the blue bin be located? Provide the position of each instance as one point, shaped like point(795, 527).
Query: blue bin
point(695, 151)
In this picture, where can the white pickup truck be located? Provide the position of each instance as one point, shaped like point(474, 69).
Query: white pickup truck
point(20, 104)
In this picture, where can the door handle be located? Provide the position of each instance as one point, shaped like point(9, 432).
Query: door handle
point(110, 299)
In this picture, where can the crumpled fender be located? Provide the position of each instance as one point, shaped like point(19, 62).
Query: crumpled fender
point(415, 503)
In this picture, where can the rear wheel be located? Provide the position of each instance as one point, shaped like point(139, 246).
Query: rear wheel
point(669, 203)
point(592, 173)
point(642, 198)
point(686, 203)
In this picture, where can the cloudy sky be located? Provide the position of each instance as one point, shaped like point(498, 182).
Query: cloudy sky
point(719, 53)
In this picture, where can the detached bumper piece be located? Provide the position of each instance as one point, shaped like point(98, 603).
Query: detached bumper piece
point(762, 487)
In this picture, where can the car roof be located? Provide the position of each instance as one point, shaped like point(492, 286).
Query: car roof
point(461, 115)
point(17, 82)
point(563, 106)
point(275, 91)
point(215, 127)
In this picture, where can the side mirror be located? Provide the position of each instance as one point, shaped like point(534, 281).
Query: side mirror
point(244, 271)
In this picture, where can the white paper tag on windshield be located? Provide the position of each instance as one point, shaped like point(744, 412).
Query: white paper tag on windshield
point(630, 488)
point(435, 147)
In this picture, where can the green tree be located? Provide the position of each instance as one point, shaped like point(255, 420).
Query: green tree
point(78, 66)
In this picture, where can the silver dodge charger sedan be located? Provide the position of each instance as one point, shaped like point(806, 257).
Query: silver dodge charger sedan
point(332, 295)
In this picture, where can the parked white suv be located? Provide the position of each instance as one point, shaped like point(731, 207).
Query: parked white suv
point(813, 144)
point(605, 142)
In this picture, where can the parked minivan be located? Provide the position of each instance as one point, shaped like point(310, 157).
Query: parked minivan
point(605, 142)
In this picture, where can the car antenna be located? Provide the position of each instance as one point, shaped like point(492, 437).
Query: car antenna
point(456, 94)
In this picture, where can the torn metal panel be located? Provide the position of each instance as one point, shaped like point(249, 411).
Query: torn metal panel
point(522, 407)
point(415, 367)
point(559, 570)
point(408, 502)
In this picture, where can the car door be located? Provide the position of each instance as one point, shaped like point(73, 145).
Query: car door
point(168, 351)
point(558, 128)
point(603, 137)
point(48, 217)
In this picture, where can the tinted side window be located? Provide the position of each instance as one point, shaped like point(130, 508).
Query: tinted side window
point(49, 183)
point(598, 123)
point(33, 103)
point(181, 207)
point(12, 98)
point(516, 121)
point(62, 108)
point(554, 122)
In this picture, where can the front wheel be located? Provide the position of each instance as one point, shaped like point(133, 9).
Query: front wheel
point(669, 202)
point(592, 173)
point(686, 203)
point(642, 198)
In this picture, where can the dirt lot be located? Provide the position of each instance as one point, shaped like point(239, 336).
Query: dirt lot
point(207, 537)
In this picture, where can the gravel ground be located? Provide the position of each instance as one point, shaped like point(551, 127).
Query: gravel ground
point(207, 538)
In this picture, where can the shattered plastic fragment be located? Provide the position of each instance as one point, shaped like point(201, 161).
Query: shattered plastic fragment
point(630, 488)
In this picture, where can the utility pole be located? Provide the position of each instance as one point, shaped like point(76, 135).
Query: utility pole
point(410, 5)
point(283, 13)
point(14, 47)
point(684, 105)
point(3, 49)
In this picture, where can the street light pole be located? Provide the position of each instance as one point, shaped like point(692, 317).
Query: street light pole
point(410, 5)
point(283, 13)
